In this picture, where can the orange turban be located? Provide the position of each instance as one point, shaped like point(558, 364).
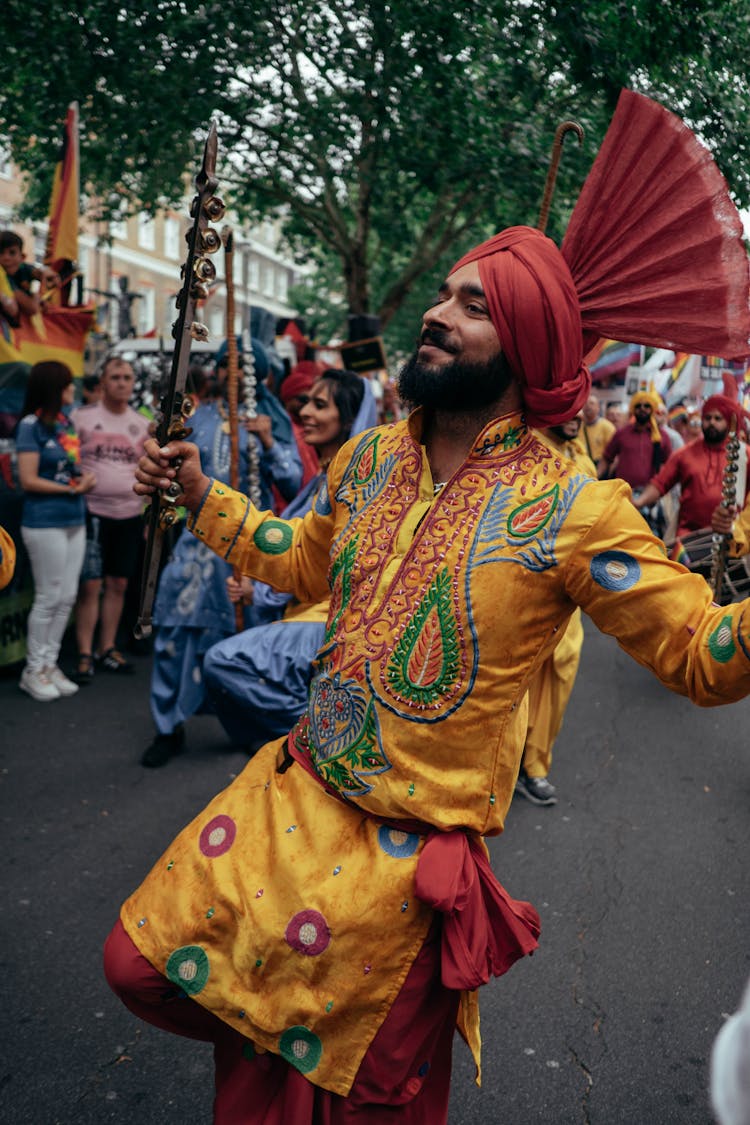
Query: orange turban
point(534, 308)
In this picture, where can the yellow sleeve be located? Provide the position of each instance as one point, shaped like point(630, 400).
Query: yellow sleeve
point(739, 544)
point(7, 558)
point(290, 555)
point(659, 612)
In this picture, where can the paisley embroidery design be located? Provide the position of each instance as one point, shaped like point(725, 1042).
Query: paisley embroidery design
point(340, 581)
point(526, 534)
point(530, 518)
point(365, 477)
point(344, 735)
point(425, 662)
point(363, 465)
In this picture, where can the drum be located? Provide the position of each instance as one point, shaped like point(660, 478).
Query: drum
point(694, 552)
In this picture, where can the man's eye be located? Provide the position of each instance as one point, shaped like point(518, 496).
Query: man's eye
point(478, 309)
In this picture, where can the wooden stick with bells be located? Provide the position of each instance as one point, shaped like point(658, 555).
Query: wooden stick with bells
point(197, 273)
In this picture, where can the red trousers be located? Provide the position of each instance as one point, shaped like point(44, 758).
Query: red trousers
point(403, 1079)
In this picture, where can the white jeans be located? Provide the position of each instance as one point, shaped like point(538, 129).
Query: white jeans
point(56, 555)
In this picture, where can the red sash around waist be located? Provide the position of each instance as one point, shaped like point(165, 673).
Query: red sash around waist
point(484, 930)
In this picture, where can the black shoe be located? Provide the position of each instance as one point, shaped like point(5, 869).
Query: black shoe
point(164, 747)
point(84, 670)
point(536, 789)
point(114, 661)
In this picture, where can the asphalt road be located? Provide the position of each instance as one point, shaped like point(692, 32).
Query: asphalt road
point(639, 872)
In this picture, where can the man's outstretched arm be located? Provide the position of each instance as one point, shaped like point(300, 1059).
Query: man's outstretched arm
point(290, 555)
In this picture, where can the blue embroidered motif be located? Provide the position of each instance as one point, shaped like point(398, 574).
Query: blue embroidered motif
point(614, 570)
point(399, 844)
point(344, 735)
point(358, 496)
point(493, 542)
point(322, 502)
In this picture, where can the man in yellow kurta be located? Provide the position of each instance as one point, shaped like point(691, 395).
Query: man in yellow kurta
point(325, 912)
point(550, 688)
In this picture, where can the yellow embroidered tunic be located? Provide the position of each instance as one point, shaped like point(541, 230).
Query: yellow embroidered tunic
point(292, 915)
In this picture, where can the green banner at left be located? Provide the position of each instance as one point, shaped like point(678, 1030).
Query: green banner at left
point(15, 604)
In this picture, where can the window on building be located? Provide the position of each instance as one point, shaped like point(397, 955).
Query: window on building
point(172, 238)
point(118, 228)
point(146, 310)
point(6, 169)
point(269, 276)
point(253, 273)
point(282, 284)
point(146, 232)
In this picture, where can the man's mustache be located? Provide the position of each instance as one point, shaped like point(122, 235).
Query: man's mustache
point(438, 339)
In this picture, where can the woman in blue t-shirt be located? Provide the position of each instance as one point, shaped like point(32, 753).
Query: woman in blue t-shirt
point(53, 523)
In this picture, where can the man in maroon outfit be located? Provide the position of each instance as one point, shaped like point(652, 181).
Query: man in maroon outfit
point(698, 468)
point(638, 449)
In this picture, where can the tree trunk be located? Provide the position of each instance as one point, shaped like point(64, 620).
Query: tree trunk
point(357, 281)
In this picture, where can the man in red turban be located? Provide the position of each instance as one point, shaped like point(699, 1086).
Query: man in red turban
point(517, 293)
point(455, 546)
point(699, 469)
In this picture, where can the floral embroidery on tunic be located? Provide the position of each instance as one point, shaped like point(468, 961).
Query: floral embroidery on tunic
point(344, 735)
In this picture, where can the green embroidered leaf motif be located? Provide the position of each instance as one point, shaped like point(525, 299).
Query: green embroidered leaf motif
point(366, 462)
point(533, 515)
point(340, 580)
point(425, 662)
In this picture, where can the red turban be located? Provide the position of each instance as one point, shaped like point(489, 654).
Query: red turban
point(726, 407)
point(534, 308)
point(300, 379)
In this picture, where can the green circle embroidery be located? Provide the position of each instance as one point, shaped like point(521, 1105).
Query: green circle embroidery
point(301, 1048)
point(273, 537)
point(721, 642)
point(188, 968)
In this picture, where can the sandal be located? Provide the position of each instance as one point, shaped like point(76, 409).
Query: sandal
point(84, 672)
point(114, 661)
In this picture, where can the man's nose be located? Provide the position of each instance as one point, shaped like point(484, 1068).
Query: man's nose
point(440, 314)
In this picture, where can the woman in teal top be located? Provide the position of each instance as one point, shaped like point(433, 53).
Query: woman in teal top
point(53, 522)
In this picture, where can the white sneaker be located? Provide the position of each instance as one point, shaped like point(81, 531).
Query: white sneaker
point(59, 680)
point(38, 686)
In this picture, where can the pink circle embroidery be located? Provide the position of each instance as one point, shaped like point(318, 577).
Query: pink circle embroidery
point(218, 836)
point(308, 933)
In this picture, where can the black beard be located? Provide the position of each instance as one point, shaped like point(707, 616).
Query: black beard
point(456, 386)
point(712, 436)
point(560, 432)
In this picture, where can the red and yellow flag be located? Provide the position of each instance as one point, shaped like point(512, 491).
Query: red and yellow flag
point(62, 235)
point(59, 332)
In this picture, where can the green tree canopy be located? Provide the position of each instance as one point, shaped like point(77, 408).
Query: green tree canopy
point(388, 135)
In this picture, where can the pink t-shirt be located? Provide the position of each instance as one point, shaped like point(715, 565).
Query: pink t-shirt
point(110, 447)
